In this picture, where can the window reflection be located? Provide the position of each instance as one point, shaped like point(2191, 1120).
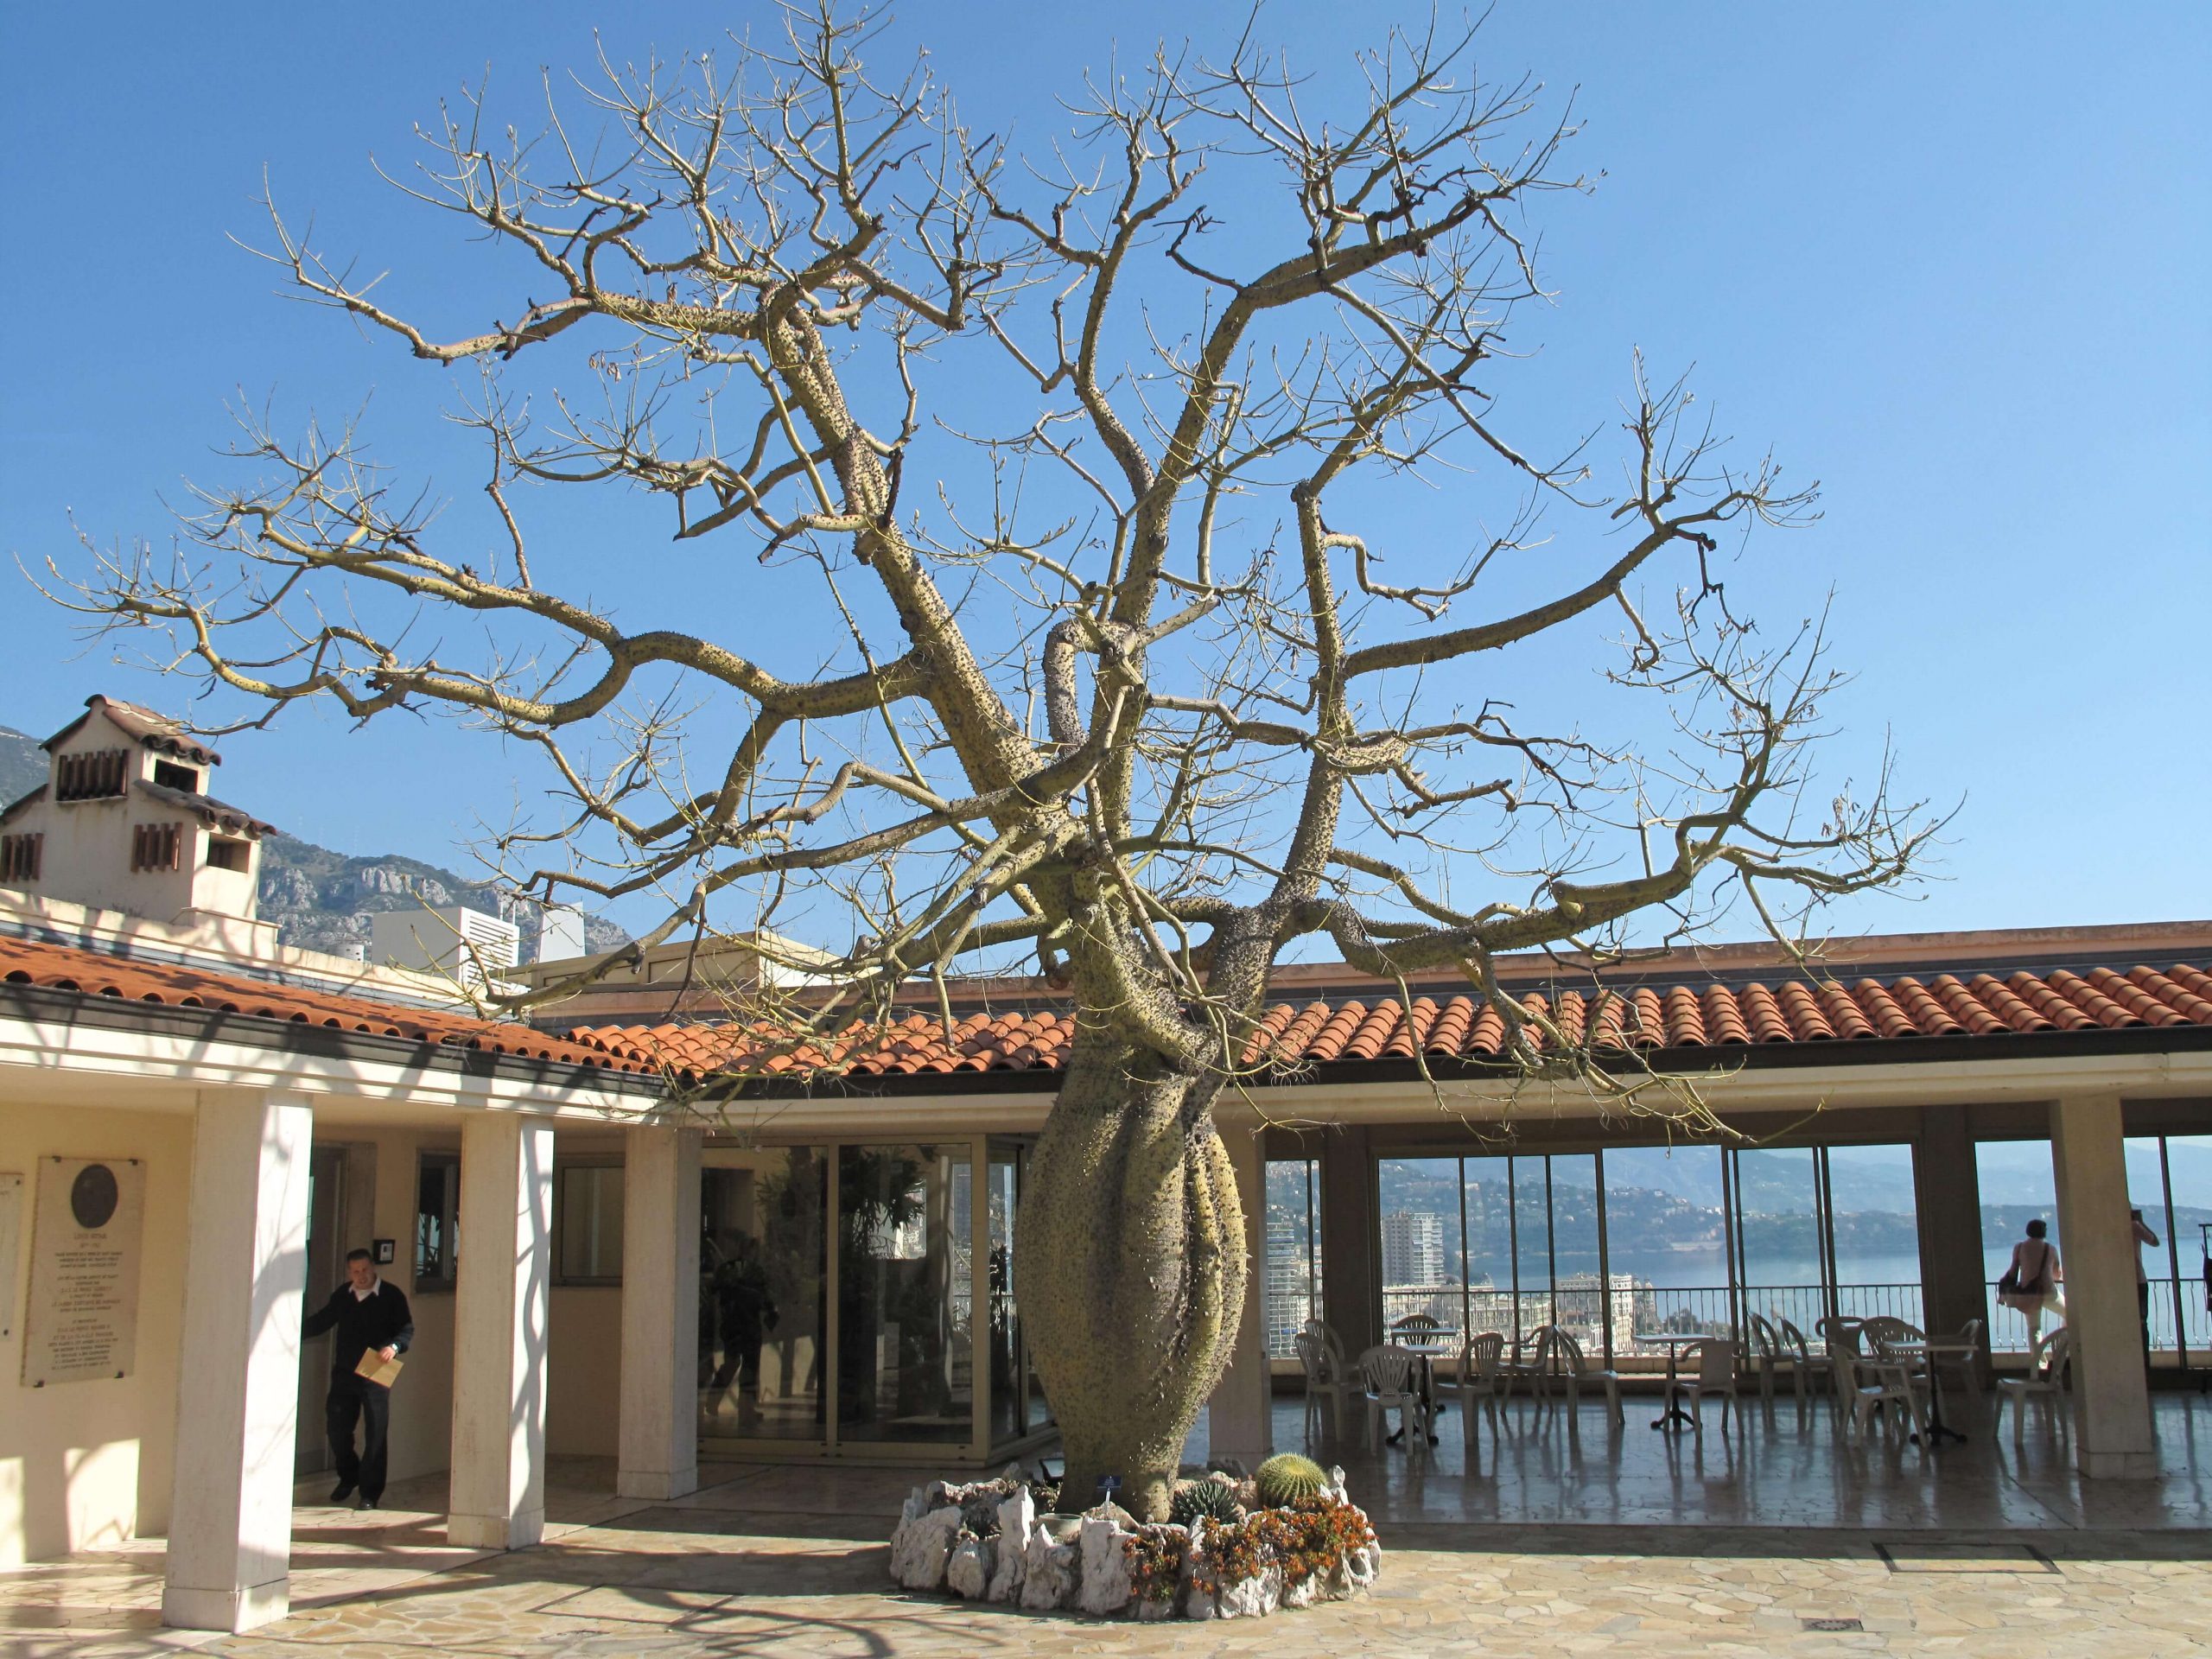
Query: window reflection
point(905, 1370)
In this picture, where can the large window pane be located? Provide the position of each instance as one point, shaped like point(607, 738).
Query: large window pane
point(761, 1288)
point(1532, 1250)
point(1009, 1389)
point(1294, 1234)
point(904, 1366)
point(1576, 1304)
point(1487, 1185)
point(2017, 1187)
point(1664, 1234)
point(1422, 1250)
point(590, 1218)
point(2188, 1164)
point(1877, 1234)
point(1777, 1200)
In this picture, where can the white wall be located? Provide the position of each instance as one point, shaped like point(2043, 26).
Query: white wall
point(583, 1375)
point(86, 1466)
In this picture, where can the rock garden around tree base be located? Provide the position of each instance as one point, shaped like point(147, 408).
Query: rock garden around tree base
point(1236, 1548)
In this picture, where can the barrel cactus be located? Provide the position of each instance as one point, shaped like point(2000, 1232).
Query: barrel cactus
point(1208, 1496)
point(1288, 1478)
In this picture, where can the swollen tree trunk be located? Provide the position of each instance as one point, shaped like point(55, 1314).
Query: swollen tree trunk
point(1131, 1242)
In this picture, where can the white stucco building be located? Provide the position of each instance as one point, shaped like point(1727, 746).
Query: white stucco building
point(629, 1209)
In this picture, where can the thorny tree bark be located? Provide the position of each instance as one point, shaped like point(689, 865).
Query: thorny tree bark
point(1161, 771)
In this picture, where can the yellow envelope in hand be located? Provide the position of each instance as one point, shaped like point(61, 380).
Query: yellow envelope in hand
point(377, 1369)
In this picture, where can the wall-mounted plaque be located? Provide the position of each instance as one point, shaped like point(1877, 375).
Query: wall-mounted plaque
point(11, 1233)
point(82, 1322)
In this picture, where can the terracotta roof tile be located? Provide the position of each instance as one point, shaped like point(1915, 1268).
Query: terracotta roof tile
point(32, 962)
point(1354, 1030)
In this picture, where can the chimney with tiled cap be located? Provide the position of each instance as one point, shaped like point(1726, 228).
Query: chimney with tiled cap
point(123, 821)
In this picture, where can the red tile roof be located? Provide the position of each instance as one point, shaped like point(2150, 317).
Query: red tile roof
point(32, 962)
point(1712, 1016)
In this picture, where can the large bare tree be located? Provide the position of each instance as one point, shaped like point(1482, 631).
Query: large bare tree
point(1132, 666)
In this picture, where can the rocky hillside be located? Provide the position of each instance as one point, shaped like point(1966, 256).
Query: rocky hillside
point(321, 899)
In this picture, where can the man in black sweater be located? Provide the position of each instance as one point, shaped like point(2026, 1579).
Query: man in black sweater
point(367, 1313)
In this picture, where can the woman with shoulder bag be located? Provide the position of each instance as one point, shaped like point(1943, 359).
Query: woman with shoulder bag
point(2032, 1282)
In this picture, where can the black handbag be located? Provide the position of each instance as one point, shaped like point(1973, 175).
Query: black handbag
point(2010, 1284)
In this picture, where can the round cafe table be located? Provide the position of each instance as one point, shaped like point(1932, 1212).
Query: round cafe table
point(1675, 1342)
point(1927, 1351)
point(1433, 1344)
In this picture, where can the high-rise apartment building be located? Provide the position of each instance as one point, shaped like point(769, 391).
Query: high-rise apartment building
point(1412, 1247)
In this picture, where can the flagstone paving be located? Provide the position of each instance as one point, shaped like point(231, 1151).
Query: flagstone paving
point(771, 1561)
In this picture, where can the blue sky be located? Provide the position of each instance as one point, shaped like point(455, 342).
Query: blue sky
point(1952, 260)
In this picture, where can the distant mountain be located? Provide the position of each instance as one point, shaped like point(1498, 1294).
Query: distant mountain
point(321, 899)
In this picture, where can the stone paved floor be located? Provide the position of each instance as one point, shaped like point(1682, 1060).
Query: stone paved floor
point(1988, 1555)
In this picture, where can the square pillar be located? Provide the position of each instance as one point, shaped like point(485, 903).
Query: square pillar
point(500, 1311)
point(1351, 1269)
point(1240, 1414)
point(659, 1449)
point(1947, 1195)
point(230, 1545)
point(2112, 1396)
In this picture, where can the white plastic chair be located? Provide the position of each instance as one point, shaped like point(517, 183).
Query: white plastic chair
point(1840, 1335)
point(1480, 1380)
point(2045, 1381)
point(1562, 1361)
point(1801, 1356)
point(1324, 1380)
point(1713, 1374)
point(1863, 1386)
point(1389, 1378)
point(1775, 1356)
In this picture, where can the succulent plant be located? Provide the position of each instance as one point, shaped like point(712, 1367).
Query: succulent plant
point(1046, 1494)
point(980, 1514)
point(1208, 1496)
point(1288, 1478)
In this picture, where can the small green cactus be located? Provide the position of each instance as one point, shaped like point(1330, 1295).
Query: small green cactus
point(1210, 1496)
point(1288, 1478)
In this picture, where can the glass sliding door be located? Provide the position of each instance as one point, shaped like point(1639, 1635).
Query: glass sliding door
point(1874, 1232)
point(763, 1216)
point(905, 1368)
point(1008, 1363)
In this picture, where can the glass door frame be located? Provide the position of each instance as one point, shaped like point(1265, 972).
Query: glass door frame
point(978, 1447)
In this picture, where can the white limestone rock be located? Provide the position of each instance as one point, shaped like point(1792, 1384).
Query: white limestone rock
point(969, 1570)
point(1356, 1572)
point(1196, 1603)
point(1051, 1574)
point(1253, 1597)
point(921, 1550)
point(1303, 1593)
point(1017, 1519)
point(1105, 1567)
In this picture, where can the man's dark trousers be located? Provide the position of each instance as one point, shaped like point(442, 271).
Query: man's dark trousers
point(355, 1399)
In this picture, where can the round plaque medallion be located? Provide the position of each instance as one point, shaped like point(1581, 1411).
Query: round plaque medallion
point(92, 1196)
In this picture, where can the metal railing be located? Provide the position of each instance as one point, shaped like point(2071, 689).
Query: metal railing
point(1634, 1307)
point(2008, 1327)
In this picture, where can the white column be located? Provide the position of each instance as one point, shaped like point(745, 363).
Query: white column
point(501, 1307)
point(230, 1544)
point(2112, 1399)
point(660, 1314)
point(1240, 1415)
